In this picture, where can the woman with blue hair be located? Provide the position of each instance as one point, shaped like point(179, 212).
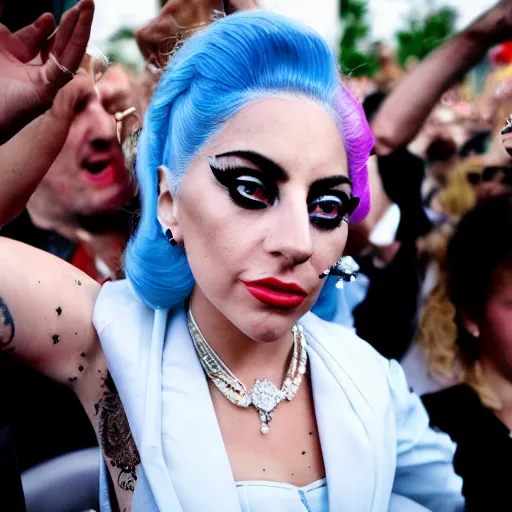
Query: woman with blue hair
point(251, 163)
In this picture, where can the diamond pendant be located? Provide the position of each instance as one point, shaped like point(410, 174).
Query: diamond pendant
point(265, 398)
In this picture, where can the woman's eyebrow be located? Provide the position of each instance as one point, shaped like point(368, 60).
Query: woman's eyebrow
point(264, 163)
point(324, 184)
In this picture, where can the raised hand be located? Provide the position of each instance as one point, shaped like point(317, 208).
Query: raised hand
point(178, 19)
point(494, 26)
point(28, 87)
point(158, 37)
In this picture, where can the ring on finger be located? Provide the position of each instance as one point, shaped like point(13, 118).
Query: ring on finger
point(64, 69)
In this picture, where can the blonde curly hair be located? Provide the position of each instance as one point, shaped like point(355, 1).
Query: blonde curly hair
point(451, 354)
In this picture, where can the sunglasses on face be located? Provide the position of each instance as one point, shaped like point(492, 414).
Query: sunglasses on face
point(491, 174)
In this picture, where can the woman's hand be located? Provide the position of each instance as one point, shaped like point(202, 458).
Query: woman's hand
point(28, 89)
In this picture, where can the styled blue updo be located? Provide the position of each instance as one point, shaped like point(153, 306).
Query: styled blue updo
point(236, 60)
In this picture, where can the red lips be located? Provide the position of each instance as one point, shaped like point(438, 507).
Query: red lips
point(273, 292)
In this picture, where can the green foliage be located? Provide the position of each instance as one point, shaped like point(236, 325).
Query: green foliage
point(116, 47)
point(122, 34)
point(423, 35)
point(353, 60)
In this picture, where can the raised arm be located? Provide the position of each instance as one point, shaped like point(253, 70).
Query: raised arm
point(411, 101)
point(45, 312)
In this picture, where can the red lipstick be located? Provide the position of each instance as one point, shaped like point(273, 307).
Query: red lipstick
point(273, 292)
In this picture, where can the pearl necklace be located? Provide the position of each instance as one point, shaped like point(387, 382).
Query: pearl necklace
point(264, 396)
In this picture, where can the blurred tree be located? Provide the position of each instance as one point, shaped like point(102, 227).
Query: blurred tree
point(354, 61)
point(423, 35)
point(117, 45)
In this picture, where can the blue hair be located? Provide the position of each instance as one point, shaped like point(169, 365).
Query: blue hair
point(216, 73)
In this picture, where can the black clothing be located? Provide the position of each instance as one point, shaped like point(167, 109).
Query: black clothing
point(402, 175)
point(11, 495)
point(484, 446)
point(476, 145)
point(45, 418)
point(23, 230)
point(387, 317)
point(17, 15)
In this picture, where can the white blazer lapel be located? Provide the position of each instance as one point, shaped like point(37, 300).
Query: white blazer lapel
point(347, 450)
point(192, 442)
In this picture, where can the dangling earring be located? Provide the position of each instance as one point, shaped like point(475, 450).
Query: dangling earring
point(346, 269)
point(170, 238)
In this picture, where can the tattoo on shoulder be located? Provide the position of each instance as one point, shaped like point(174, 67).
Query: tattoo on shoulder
point(115, 436)
point(7, 329)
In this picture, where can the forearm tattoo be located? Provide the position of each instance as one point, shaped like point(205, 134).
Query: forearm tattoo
point(115, 436)
point(7, 329)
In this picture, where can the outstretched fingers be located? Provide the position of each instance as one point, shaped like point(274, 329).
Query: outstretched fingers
point(33, 38)
point(70, 44)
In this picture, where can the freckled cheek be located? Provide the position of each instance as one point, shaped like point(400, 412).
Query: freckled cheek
point(215, 241)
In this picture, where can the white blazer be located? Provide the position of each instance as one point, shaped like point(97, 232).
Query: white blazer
point(374, 433)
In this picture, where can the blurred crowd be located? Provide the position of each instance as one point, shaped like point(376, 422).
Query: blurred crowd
point(435, 253)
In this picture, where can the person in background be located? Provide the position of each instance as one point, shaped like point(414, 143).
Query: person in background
point(22, 124)
point(468, 338)
point(441, 157)
point(388, 316)
point(78, 212)
point(389, 72)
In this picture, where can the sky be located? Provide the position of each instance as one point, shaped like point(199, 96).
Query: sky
point(386, 16)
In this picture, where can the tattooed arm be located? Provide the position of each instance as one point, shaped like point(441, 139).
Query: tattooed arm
point(46, 310)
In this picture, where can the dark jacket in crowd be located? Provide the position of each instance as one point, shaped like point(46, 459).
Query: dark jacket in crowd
point(387, 318)
point(483, 457)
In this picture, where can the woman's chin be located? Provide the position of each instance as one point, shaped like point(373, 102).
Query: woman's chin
point(269, 331)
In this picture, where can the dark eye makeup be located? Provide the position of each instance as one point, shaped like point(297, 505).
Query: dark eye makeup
point(248, 188)
point(329, 210)
point(255, 190)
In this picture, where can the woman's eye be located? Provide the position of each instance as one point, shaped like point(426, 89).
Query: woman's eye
point(329, 211)
point(326, 209)
point(252, 188)
point(250, 192)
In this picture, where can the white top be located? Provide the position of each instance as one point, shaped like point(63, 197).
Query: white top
point(261, 496)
